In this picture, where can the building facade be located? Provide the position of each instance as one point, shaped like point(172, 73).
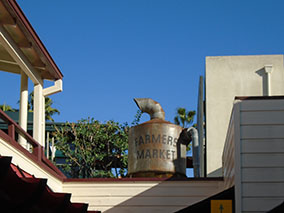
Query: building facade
point(227, 77)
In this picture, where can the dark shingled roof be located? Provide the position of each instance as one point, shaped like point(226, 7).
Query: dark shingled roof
point(22, 192)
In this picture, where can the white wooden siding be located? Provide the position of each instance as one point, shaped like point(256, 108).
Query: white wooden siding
point(261, 164)
point(141, 196)
point(28, 165)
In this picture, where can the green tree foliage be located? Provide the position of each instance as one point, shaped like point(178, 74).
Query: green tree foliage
point(49, 110)
point(93, 149)
point(184, 117)
point(6, 107)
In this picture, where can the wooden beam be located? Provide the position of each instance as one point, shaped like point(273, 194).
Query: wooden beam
point(11, 131)
point(8, 62)
point(11, 68)
point(18, 36)
point(16, 53)
point(6, 18)
point(33, 57)
point(25, 45)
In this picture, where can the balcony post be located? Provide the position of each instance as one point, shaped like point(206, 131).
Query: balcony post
point(23, 113)
point(38, 121)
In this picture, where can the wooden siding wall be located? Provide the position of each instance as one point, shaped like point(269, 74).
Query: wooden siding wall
point(228, 157)
point(141, 196)
point(28, 165)
point(261, 155)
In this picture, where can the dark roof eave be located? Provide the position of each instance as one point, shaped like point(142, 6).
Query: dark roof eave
point(274, 97)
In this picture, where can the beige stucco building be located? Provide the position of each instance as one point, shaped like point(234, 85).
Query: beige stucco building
point(227, 77)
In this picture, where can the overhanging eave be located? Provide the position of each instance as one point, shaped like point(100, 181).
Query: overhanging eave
point(16, 25)
point(18, 56)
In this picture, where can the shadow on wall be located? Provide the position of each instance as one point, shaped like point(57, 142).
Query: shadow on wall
point(162, 196)
point(216, 173)
point(142, 195)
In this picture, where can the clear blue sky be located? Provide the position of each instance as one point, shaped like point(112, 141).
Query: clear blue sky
point(111, 51)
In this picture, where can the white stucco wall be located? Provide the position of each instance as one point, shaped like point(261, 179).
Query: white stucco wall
point(225, 78)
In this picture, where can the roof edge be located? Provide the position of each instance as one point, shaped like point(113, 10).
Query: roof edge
point(139, 179)
point(276, 97)
point(21, 16)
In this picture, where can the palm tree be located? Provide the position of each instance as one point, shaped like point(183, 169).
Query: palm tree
point(49, 111)
point(6, 107)
point(184, 118)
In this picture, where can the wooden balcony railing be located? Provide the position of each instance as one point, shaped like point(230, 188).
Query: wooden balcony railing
point(35, 153)
point(13, 128)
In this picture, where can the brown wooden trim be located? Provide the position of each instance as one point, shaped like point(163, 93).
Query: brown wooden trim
point(4, 136)
point(11, 131)
point(33, 158)
point(50, 165)
point(17, 128)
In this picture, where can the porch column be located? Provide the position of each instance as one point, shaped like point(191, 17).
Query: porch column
point(57, 87)
point(23, 113)
point(43, 122)
point(38, 114)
